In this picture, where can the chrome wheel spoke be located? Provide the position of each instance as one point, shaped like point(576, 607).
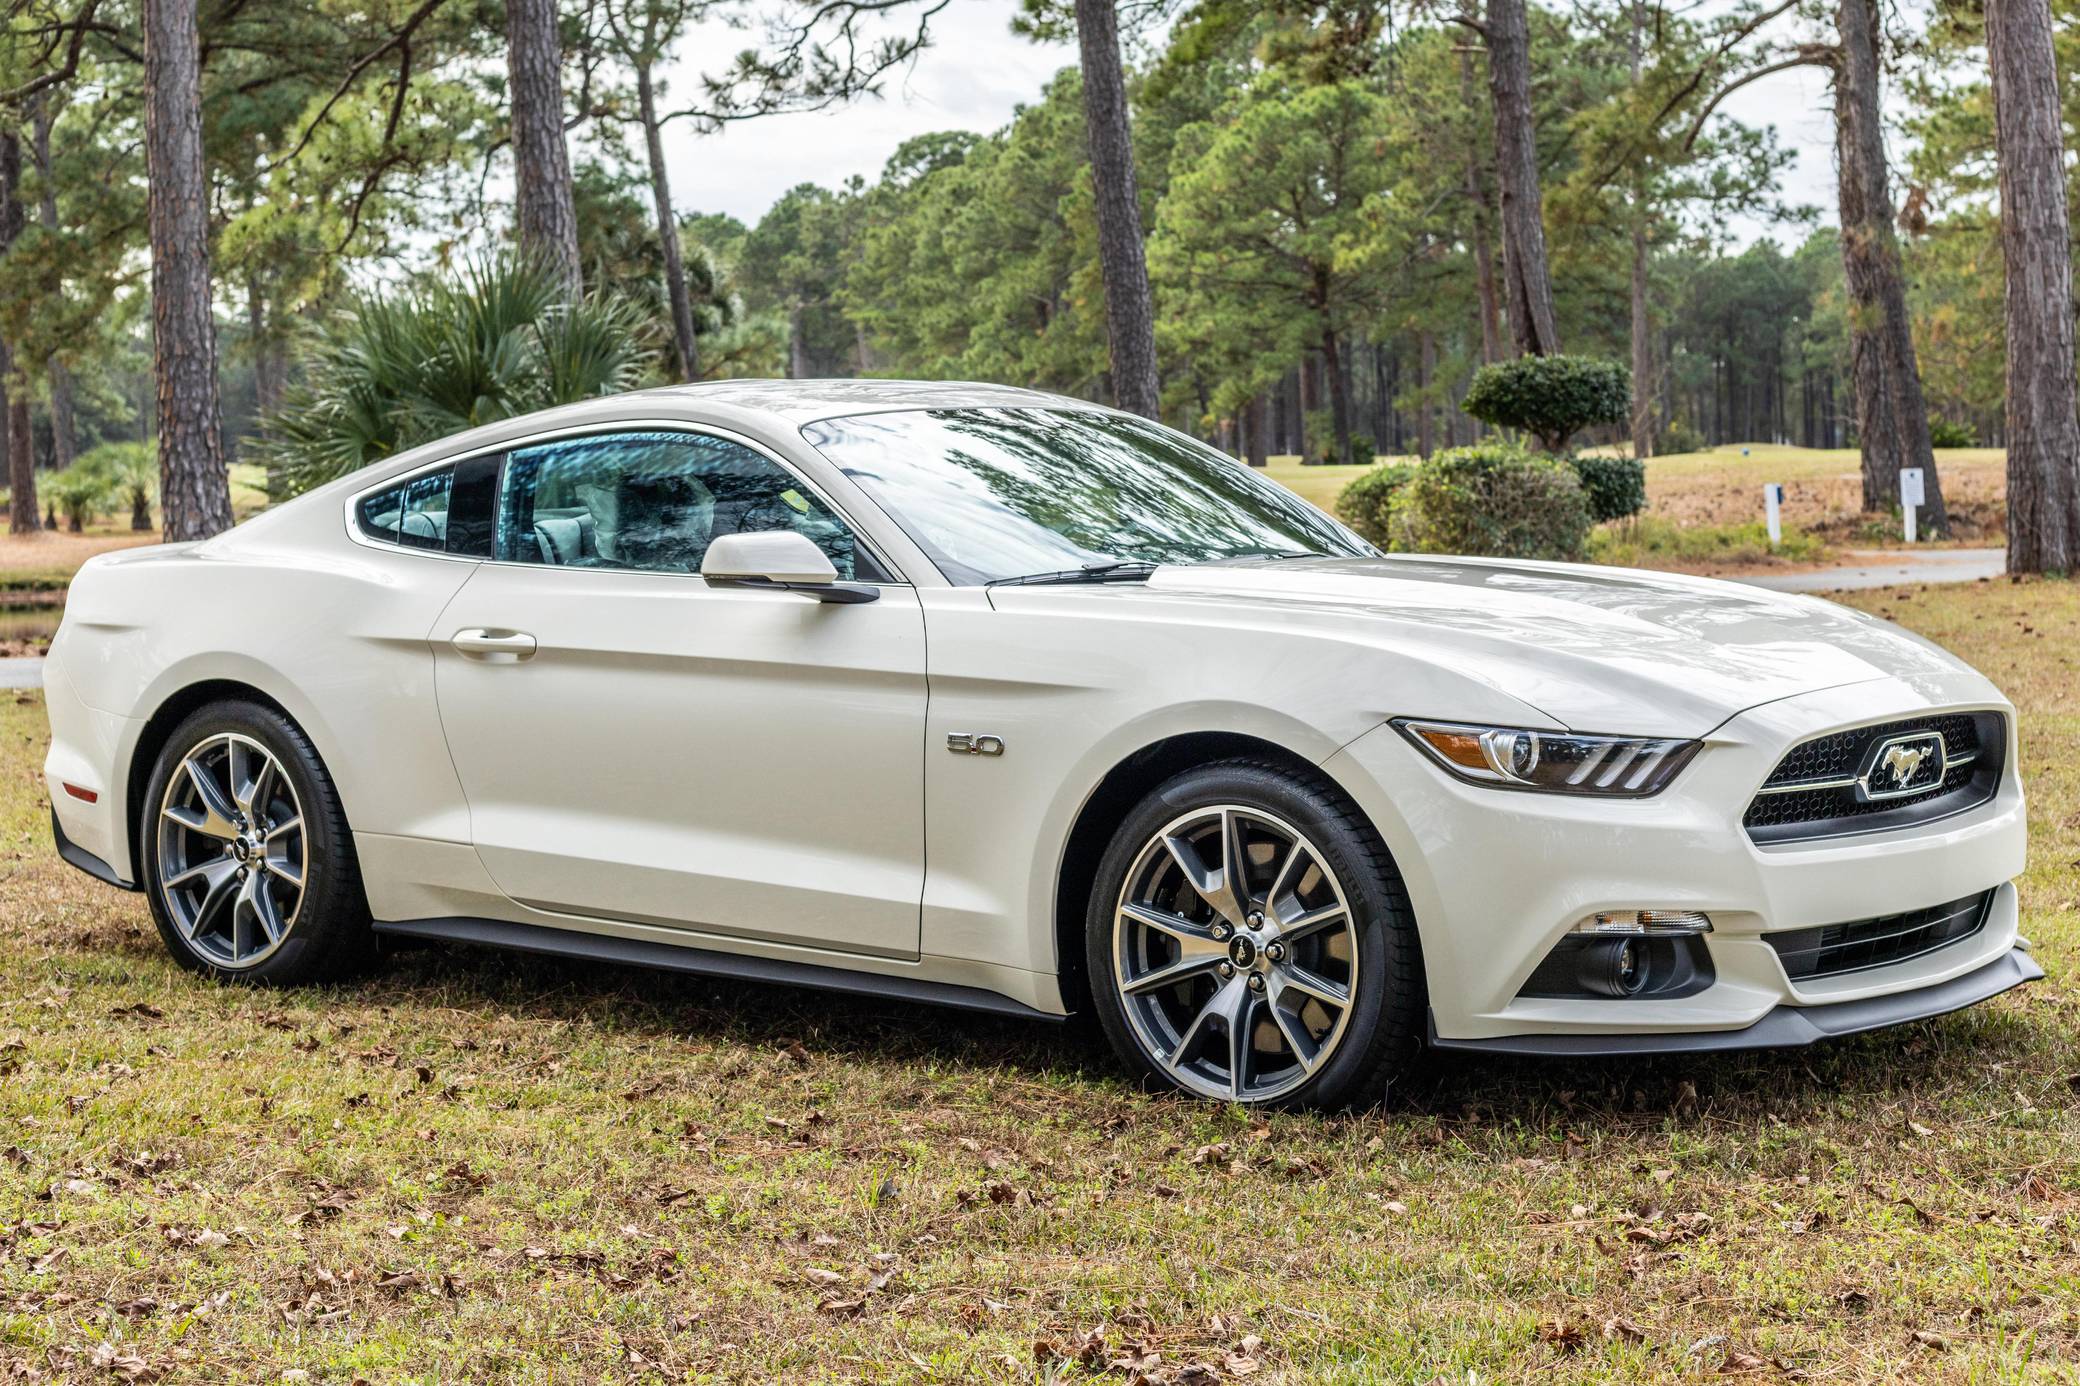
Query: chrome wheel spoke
point(284, 829)
point(265, 912)
point(1215, 1008)
point(1183, 969)
point(1308, 984)
point(1239, 1020)
point(1311, 921)
point(251, 769)
point(222, 890)
point(1289, 873)
point(1189, 936)
point(210, 873)
point(1303, 1044)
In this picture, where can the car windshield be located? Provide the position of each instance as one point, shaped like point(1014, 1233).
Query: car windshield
point(993, 494)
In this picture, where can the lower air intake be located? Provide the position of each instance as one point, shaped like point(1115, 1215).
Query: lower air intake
point(1832, 949)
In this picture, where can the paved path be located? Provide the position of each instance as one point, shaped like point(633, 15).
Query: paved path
point(1891, 568)
point(22, 673)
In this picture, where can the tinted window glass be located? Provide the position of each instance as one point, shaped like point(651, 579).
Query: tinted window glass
point(997, 493)
point(654, 501)
point(413, 513)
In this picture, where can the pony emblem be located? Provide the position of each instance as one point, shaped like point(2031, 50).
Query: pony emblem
point(1902, 761)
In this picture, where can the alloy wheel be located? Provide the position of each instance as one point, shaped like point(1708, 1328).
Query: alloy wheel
point(233, 853)
point(1235, 954)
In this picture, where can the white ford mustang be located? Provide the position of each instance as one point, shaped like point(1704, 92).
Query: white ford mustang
point(973, 695)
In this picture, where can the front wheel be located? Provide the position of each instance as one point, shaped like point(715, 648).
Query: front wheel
point(248, 863)
point(1249, 940)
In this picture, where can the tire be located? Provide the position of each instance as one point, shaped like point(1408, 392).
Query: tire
point(1174, 957)
point(218, 868)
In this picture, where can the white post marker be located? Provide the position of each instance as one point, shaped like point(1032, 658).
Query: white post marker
point(1911, 497)
point(1773, 511)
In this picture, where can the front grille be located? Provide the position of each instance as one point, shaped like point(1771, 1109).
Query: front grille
point(1832, 949)
point(1815, 791)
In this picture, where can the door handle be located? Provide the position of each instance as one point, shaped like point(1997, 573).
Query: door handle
point(495, 646)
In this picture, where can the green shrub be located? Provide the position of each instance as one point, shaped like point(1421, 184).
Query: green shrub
point(1494, 500)
point(81, 492)
point(1616, 486)
point(1678, 436)
point(1365, 505)
point(132, 470)
point(1551, 397)
point(1944, 434)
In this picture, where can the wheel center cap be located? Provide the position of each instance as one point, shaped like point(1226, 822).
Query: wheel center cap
point(242, 850)
point(1242, 951)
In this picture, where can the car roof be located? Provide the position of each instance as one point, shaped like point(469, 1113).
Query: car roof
point(805, 401)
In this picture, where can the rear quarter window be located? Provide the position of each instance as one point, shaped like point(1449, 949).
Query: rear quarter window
point(451, 510)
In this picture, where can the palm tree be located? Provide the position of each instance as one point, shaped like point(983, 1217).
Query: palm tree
point(497, 341)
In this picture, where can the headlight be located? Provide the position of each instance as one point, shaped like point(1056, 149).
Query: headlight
point(1555, 762)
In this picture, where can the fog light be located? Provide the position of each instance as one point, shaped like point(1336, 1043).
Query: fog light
point(1658, 923)
point(1614, 967)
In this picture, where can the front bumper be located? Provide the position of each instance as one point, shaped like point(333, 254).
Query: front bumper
point(1786, 1027)
point(1498, 878)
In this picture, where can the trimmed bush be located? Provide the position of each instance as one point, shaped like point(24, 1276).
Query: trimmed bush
point(1492, 500)
point(1366, 504)
point(1944, 434)
point(1551, 397)
point(1678, 436)
point(1616, 486)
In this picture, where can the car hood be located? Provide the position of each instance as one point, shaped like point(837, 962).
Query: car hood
point(1596, 649)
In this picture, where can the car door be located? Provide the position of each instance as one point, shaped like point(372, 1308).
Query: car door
point(639, 745)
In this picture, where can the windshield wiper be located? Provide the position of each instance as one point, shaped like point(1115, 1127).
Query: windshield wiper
point(1119, 570)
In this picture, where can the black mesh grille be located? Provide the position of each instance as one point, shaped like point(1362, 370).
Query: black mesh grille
point(1835, 948)
point(1974, 738)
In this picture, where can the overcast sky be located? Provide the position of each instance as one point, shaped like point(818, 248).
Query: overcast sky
point(977, 72)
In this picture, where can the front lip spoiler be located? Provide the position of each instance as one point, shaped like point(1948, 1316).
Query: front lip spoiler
point(76, 855)
point(1786, 1027)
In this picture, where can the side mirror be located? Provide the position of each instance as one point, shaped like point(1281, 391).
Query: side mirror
point(783, 560)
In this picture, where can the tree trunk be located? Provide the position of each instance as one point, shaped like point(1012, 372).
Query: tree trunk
point(1477, 201)
point(546, 207)
point(64, 431)
point(1527, 285)
point(194, 488)
point(1339, 396)
point(1130, 320)
point(2042, 428)
point(667, 227)
point(1642, 325)
point(267, 361)
point(1426, 415)
point(1891, 417)
point(15, 442)
point(797, 348)
point(1259, 441)
point(1310, 388)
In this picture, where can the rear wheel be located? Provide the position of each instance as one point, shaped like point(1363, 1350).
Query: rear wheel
point(1250, 941)
point(247, 859)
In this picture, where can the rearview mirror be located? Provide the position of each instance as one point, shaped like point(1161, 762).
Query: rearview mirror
point(783, 559)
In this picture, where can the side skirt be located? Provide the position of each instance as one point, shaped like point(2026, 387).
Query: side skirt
point(668, 957)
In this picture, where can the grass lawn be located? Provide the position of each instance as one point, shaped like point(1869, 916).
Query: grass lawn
point(475, 1167)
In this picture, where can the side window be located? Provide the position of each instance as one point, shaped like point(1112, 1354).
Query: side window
point(446, 511)
point(413, 513)
point(654, 502)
